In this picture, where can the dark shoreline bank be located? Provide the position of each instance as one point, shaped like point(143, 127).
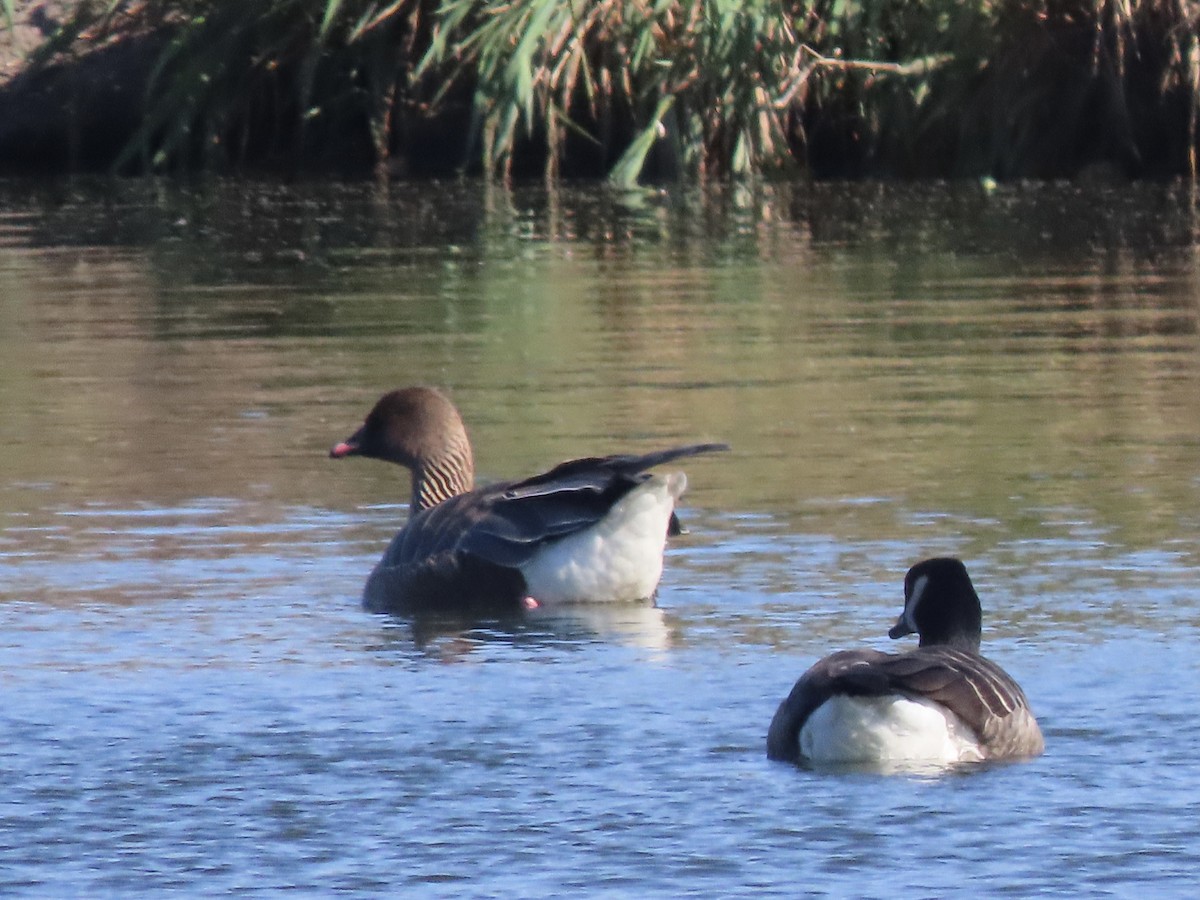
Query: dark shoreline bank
point(87, 95)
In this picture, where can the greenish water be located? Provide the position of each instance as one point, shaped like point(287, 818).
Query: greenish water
point(196, 702)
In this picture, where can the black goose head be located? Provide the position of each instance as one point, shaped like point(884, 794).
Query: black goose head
point(940, 605)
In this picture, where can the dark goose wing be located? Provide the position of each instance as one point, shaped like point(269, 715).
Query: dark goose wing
point(975, 689)
point(504, 524)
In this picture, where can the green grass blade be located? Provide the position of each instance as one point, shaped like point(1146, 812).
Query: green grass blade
point(627, 169)
point(332, 7)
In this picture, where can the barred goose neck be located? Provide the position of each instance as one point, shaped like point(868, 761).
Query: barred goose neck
point(446, 475)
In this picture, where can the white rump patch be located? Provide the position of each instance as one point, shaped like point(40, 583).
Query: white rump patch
point(886, 729)
point(617, 559)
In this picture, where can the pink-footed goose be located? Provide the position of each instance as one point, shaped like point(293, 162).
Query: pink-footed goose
point(587, 530)
point(939, 703)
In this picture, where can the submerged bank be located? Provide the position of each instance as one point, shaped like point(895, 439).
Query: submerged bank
point(624, 90)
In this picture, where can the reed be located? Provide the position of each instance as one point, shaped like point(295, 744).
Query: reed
point(281, 80)
point(670, 88)
point(705, 77)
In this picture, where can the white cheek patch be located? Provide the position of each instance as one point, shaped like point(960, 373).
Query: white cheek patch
point(910, 607)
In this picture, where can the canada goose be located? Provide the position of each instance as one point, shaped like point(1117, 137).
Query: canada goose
point(939, 702)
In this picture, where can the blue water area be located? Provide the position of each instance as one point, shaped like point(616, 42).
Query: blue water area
point(195, 702)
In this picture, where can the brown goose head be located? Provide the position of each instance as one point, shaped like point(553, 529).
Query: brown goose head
point(419, 428)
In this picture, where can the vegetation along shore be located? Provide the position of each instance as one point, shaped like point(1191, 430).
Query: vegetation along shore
point(622, 89)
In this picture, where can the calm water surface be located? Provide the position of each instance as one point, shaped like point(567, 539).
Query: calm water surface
point(194, 701)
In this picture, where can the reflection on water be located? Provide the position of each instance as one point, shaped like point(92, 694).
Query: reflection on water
point(195, 700)
point(454, 638)
point(858, 344)
point(635, 624)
